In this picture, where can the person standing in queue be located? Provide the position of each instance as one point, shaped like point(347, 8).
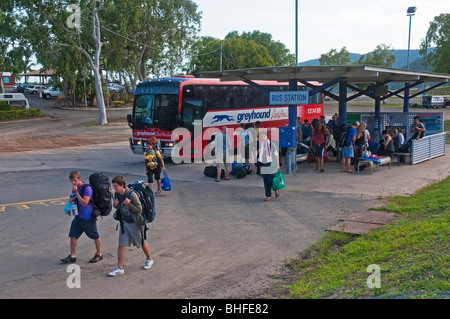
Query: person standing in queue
point(347, 149)
point(268, 159)
point(222, 143)
point(318, 143)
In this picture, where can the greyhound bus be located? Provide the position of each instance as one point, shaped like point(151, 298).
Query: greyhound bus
point(199, 104)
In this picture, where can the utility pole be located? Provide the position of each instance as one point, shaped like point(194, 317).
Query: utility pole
point(296, 32)
point(221, 54)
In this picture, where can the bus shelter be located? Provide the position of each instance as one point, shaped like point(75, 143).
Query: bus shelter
point(371, 81)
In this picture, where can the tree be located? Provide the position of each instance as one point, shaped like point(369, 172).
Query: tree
point(381, 56)
point(277, 50)
point(333, 57)
point(150, 36)
point(438, 35)
point(249, 50)
point(136, 37)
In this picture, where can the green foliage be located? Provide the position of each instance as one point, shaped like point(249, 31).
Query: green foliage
point(4, 106)
point(248, 50)
point(413, 254)
point(438, 35)
point(19, 114)
point(381, 56)
point(335, 58)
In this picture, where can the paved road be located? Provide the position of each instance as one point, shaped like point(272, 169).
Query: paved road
point(210, 240)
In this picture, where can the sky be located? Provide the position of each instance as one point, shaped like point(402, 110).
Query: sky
point(359, 25)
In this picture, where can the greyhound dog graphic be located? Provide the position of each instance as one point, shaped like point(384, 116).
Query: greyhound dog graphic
point(220, 118)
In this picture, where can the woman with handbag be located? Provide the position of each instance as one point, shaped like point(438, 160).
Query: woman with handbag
point(268, 159)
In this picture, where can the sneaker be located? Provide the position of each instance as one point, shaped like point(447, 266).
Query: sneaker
point(96, 258)
point(148, 264)
point(116, 271)
point(68, 259)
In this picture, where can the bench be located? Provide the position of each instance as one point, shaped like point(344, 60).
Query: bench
point(398, 154)
point(383, 161)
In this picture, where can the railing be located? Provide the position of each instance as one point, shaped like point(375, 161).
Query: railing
point(427, 148)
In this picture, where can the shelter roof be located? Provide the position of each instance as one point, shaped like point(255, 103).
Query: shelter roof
point(349, 73)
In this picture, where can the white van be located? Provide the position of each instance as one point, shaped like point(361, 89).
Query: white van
point(15, 99)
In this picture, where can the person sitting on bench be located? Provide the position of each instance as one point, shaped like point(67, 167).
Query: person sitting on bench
point(386, 145)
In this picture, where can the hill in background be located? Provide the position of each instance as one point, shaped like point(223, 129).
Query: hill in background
point(401, 56)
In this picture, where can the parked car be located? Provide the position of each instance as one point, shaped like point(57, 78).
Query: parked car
point(35, 89)
point(434, 101)
point(115, 87)
point(52, 92)
point(22, 86)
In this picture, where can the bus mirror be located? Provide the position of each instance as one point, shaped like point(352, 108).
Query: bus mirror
point(130, 121)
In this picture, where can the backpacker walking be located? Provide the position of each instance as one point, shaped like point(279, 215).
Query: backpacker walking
point(153, 164)
point(83, 222)
point(131, 233)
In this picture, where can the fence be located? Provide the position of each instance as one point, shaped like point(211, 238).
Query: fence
point(428, 147)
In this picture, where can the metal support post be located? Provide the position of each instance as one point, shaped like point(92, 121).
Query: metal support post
point(342, 102)
point(406, 99)
point(377, 119)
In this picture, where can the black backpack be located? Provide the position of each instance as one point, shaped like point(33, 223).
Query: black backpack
point(101, 194)
point(342, 134)
point(147, 199)
point(211, 171)
point(240, 170)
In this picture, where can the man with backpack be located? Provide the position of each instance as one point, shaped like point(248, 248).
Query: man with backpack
point(132, 224)
point(83, 222)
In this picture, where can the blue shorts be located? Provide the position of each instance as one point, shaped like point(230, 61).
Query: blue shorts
point(347, 151)
point(80, 226)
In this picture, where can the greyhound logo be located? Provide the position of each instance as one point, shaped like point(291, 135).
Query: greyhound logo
point(220, 118)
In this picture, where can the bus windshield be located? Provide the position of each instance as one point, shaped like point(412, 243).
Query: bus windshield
point(156, 110)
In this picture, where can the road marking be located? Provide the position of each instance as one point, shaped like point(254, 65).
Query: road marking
point(43, 202)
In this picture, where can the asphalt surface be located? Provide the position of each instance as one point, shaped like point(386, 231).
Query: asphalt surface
point(209, 240)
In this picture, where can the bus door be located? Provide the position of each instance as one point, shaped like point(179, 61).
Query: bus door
point(192, 112)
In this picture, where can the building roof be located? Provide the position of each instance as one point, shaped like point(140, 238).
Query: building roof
point(39, 72)
point(349, 73)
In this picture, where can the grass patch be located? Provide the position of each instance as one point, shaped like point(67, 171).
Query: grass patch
point(413, 254)
point(447, 125)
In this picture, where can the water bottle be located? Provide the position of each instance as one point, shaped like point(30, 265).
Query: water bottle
point(74, 206)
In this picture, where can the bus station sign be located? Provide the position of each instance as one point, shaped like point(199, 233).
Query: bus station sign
point(289, 97)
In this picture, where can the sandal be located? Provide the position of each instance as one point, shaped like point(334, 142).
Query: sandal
point(158, 191)
point(267, 199)
point(277, 194)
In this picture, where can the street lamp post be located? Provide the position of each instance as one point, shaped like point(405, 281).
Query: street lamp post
point(296, 32)
point(410, 12)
